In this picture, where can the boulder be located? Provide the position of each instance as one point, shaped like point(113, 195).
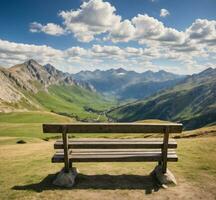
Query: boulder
point(64, 179)
point(164, 178)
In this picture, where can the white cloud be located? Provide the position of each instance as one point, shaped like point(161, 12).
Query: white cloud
point(98, 20)
point(104, 56)
point(10, 51)
point(122, 32)
point(150, 29)
point(50, 28)
point(94, 17)
point(164, 12)
point(203, 31)
point(147, 27)
point(106, 50)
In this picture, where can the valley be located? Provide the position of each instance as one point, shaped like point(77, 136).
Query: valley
point(111, 95)
point(191, 102)
point(32, 87)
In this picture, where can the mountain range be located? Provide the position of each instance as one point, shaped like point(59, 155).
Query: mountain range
point(125, 84)
point(31, 86)
point(192, 101)
point(86, 96)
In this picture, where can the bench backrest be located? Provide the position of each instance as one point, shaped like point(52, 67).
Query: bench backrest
point(113, 128)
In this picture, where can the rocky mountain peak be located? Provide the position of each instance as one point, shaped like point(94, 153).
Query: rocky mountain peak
point(208, 71)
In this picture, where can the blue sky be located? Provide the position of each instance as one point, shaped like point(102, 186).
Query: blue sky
point(177, 36)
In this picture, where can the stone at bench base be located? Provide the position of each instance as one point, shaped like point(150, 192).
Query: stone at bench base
point(66, 179)
point(164, 179)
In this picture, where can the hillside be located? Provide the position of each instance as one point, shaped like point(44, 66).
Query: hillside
point(31, 86)
point(191, 102)
point(128, 84)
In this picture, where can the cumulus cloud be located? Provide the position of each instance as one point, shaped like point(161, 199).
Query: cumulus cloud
point(94, 17)
point(164, 12)
point(103, 56)
point(98, 20)
point(203, 30)
point(122, 32)
point(50, 28)
point(148, 28)
point(11, 52)
point(97, 17)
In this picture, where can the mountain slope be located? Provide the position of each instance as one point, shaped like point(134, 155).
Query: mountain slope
point(193, 102)
point(145, 89)
point(128, 84)
point(31, 86)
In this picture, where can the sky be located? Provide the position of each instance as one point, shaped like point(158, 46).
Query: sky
point(178, 36)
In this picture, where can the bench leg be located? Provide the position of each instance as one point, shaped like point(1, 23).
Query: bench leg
point(165, 150)
point(70, 164)
point(66, 154)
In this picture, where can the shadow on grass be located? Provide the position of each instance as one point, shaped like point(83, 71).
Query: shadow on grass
point(103, 182)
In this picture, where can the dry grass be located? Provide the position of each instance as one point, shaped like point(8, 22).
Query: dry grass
point(27, 173)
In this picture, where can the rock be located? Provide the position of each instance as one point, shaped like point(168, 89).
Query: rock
point(21, 142)
point(164, 179)
point(64, 179)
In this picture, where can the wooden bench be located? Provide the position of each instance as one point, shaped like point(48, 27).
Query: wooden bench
point(159, 150)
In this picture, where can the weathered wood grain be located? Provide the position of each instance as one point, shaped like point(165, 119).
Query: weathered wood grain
point(115, 157)
point(115, 143)
point(112, 128)
point(65, 147)
point(165, 149)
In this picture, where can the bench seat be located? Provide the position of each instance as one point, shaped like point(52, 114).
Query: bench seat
point(115, 143)
point(113, 155)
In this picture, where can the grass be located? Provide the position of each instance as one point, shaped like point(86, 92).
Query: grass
point(27, 173)
point(72, 100)
point(28, 124)
point(32, 117)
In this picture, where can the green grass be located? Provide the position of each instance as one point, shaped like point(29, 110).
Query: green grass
point(28, 124)
point(72, 100)
point(32, 117)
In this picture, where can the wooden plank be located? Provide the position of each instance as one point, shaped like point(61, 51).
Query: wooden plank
point(115, 143)
point(66, 153)
point(115, 157)
point(113, 151)
point(165, 149)
point(116, 140)
point(113, 128)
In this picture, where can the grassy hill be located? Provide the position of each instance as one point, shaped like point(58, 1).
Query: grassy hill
point(75, 102)
point(191, 102)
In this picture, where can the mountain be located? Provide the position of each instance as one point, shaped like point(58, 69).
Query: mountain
point(31, 86)
point(128, 84)
point(192, 102)
point(66, 78)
